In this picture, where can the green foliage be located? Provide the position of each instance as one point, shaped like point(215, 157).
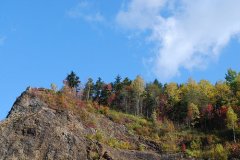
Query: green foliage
point(223, 93)
point(162, 112)
point(219, 152)
point(141, 147)
point(232, 121)
point(98, 136)
point(154, 117)
point(193, 114)
point(230, 76)
point(231, 118)
point(97, 89)
point(170, 143)
point(173, 93)
point(113, 142)
point(94, 155)
point(196, 144)
point(194, 153)
point(72, 80)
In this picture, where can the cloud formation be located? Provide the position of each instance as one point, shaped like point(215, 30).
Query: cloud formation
point(84, 10)
point(187, 34)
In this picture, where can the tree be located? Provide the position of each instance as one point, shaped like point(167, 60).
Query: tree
point(117, 85)
point(106, 96)
point(193, 114)
point(89, 89)
point(98, 89)
point(232, 118)
point(237, 89)
point(54, 87)
point(208, 90)
point(138, 88)
point(192, 92)
point(230, 76)
point(223, 94)
point(73, 80)
point(173, 93)
point(158, 84)
point(151, 98)
point(126, 82)
point(125, 96)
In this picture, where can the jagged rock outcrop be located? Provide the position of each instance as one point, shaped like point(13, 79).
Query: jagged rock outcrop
point(33, 130)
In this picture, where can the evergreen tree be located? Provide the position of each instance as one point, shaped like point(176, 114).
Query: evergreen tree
point(98, 89)
point(158, 84)
point(230, 76)
point(117, 85)
point(73, 80)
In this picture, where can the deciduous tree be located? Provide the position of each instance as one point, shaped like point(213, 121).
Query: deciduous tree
point(232, 118)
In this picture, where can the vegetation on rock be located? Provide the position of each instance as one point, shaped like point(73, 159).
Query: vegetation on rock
point(198, 120)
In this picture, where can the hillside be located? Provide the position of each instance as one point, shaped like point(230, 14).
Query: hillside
point(35, 129)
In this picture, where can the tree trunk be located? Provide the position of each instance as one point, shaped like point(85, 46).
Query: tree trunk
point(125, 103)
point(138, 104)
point(234, 136)
point(88, 92)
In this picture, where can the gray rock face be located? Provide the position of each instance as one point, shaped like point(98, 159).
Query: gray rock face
point(32, 130)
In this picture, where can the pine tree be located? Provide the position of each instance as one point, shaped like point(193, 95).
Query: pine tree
point(98, 89)
point(73, 80)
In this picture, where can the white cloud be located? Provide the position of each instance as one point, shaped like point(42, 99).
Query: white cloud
point(188, 34)
point(84, 10)
point(2, 40)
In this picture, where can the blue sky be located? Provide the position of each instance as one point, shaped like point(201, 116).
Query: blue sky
point(42, 41)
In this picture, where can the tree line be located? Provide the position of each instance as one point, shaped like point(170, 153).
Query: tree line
point(201, 105)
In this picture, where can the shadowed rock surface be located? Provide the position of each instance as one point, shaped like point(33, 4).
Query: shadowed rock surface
point(34, 130)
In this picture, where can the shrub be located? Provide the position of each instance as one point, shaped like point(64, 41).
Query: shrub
point(167, 126)
point(196, 144)
point(193, 153)
point(141, 147)
point(125, 145)
point(98, 136)
point(234, 150)
point(170, 143)
point(154, 117)
point(218, 152)
point(113, 142)
point(104, 110)
point(94, 155)
point(144, 131)
point(154, 136)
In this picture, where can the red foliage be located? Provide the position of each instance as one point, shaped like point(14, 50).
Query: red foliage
point(208, 111)
point(111, 98)
point(183, 147)
point(222, 111)
point(209, 108)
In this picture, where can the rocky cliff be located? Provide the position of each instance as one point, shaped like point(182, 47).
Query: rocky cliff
point(35, 130)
